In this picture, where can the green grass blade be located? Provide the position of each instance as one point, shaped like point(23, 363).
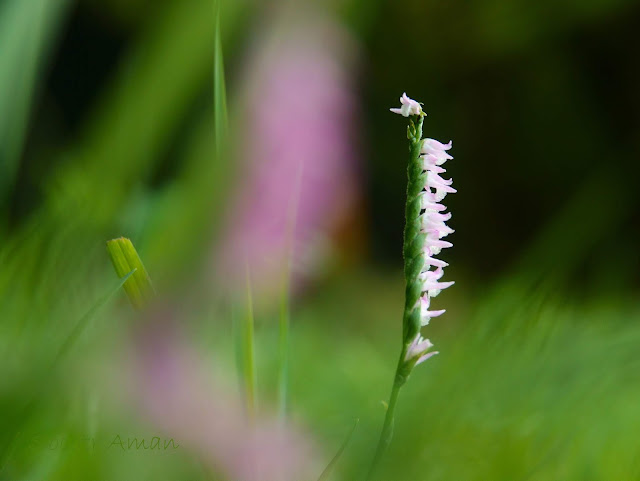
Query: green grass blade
point(68, 344)
point(283, 348)
point(221, 118)
point(84, 320)
point(125, 260)
point(327, 471)
point(248, 349)
point(26, 31)
point(285, 318)
point(140, 111)
point(236, 335)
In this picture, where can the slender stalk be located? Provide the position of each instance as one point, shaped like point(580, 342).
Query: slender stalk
point(237, 329)
point(283, 347)
point(221, 118)
point(249, 363)
point(327, 471)
point(387, 427)
point(284, 314)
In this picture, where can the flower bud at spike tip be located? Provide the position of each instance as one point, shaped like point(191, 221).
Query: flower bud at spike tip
point(125, 259)
point(409, 107)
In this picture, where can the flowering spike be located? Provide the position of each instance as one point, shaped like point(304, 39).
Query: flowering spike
point(423, 232)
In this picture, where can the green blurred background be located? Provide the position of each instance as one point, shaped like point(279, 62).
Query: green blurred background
point(107, 129)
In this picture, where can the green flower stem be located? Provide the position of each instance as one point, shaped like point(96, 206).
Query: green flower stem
point(413, 263)
point(413, 239)
point(387, 427)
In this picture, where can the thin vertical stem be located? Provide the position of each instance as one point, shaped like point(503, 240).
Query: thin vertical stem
point(387, 428)
point(237, 330)
point(284, 314)
point(249, 363)
point(221, 118)
point(283, 347)
point(327, 471)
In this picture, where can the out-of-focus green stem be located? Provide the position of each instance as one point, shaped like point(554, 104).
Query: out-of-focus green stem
point(221, 118)
point(284, 321)
point(283, 347)
point(7, 447)
point(327, 471)
point(248, 348)
point(28, 31)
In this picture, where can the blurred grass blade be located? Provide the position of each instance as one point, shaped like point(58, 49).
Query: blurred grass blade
point(221, 118)
point(284, 323)
point(6, 447)
point(138, 115)
point(125, 259)
point(26, 30)
point(327, 471)
point(248, 349)
point(236, 335)
point(283, 347)
point(84, 320)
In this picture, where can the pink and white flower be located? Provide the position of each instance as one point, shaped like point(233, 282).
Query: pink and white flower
point(419, 348)
point(425, 313)
point(433, 219)
point(409, 107)
point(433, 225)
point(432, 147)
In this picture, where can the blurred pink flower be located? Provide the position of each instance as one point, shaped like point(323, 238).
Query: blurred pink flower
point(298, 151)
point(173, 390)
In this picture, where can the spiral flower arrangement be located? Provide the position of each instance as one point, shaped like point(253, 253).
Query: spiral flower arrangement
point(424, 231)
